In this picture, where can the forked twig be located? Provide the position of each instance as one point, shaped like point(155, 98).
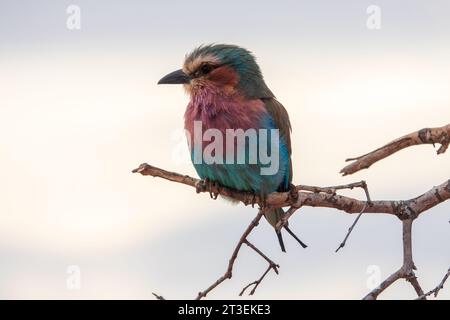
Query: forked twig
point(229, 272)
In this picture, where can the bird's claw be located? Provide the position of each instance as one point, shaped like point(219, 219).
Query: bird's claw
point(200, 186)
point(293, 193)
point(214, 185)
point(210, 186)
point(253, 199)
point(263, 200)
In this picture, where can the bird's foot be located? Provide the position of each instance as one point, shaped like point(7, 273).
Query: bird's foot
point(293, 193)
point(200, 186)
point(254, 195)
point(212, 187)
point(260, 197)
point(262, 200)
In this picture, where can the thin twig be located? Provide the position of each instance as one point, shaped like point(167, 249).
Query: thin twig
point(272, 264)
point(439, 135)
point(157, 296)
point(332, 189)
point(438, 288)
point(342, 244)
point(229, 272)
point(363, 185)
point(256, 283)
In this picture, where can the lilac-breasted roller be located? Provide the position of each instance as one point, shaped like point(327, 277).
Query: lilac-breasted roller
point(228, 92)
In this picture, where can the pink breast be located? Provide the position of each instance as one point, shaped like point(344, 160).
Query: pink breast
point(223, 112)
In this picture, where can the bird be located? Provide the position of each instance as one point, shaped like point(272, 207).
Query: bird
point(227, 91)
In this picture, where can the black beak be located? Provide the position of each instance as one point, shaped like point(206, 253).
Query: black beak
point(176, 77)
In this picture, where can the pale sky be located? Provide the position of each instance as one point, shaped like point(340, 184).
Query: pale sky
point(79, 109)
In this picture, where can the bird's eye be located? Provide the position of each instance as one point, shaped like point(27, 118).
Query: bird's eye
point(205, 69)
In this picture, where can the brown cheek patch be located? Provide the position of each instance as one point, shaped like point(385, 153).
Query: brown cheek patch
point(224, 76)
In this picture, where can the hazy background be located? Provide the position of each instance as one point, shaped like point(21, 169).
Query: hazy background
point(79, 109)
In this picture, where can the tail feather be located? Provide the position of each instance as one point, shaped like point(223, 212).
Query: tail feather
point(280, 240)
point(295, 237)
point(273, 216)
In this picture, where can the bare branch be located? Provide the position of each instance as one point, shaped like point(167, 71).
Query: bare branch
point(438, 288)
point(327, 199)
point(440, 135)
point(301, 195)
point(415, 283)
point(373, 295)
point(406, 271)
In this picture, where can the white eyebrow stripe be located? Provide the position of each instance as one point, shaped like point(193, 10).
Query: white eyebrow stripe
point(190, 66)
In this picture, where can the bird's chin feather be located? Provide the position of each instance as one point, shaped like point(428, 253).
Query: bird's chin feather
point(187, 88)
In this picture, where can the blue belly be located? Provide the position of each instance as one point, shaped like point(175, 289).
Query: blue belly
point(247, 176)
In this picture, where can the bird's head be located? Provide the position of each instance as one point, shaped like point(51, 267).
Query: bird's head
point(227, 69)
